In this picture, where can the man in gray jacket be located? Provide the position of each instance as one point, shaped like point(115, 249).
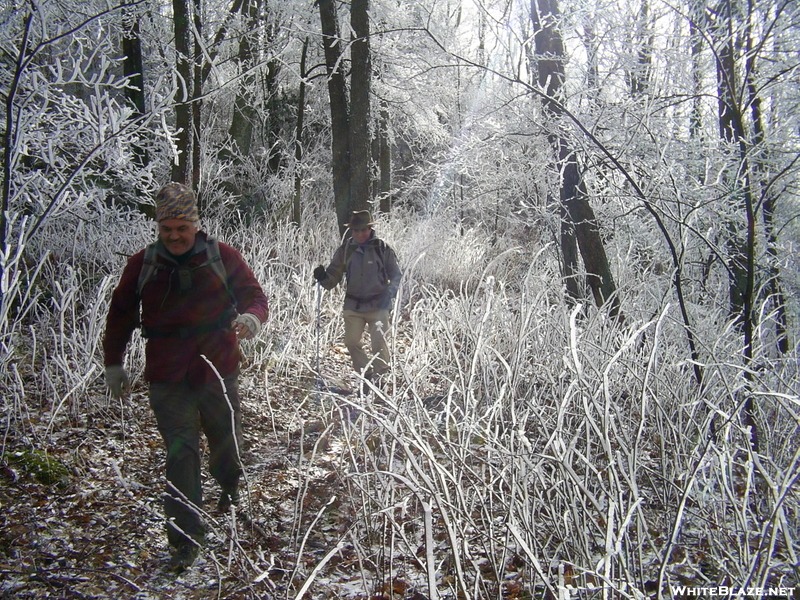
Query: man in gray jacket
point(373, 277)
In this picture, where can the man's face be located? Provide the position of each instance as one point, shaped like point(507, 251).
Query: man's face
point(361, 235)
point(177, 235)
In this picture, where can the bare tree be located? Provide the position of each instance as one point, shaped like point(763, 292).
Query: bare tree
point(350, 117)
point(244, 106)
point(181, 169)
point(578, 222)
point(383, 158)
point(298, 137)
point(360, 86)
point(340, 110)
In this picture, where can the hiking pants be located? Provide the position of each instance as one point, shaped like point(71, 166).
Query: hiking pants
point(377, 322)
point(181, 411)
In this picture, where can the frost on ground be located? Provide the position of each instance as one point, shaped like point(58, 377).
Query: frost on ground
point(523, 449)
point(99, 532)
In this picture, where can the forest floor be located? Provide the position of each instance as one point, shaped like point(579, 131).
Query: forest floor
point(96, 530)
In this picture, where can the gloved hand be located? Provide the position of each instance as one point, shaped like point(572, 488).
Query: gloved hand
point(319, 273)
point(117, 380)
point(246, 325)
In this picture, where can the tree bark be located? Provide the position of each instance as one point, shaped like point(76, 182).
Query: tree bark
point(774, 287)
point(639, 75)
point(360, 80)
point(197, 105)
point(696, 10)
point(133, 68)
point(384, 160)
point(340, 115)
point(741, 244)
point(578, 218)
point(133, 65)
point(183, 111)
point(244, 112)
point(298, 137)
point(274, 117)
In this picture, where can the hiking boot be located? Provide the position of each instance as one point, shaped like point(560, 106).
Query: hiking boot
point(364, 387)
point(228, 499)
point(183, 557)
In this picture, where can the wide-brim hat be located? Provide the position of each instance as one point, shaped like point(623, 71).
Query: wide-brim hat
point(360, 219)
point(176, 201)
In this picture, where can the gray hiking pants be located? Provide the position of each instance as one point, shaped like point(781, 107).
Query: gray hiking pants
point(181, 411)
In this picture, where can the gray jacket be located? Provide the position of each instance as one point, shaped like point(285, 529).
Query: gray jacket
point(373, 275)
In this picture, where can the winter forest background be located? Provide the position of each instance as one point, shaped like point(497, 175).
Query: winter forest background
point(595, 380)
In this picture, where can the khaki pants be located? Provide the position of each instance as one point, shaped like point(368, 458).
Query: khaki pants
point(377, 323)
point(182, 411)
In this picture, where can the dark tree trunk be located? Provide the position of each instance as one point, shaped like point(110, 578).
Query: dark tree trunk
point(197, 105)
point(133, 68)
point(298, 137)
point(697, 9)
point(773, 286)
point(360, 155)
point(569, 254)
point(183, 111)
point(576, 209)
point(244, 112)
point(384, 160)
point(582, 217)
point(274, 117)
point(340, 116)
point(639, 75)
point(741, 244)
point(730, 133)
point(276, 103)
point(132, 65)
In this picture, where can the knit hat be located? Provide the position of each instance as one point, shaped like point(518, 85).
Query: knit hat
point(360, 220)
point(176, 201)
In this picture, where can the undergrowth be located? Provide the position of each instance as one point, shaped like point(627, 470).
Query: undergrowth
point(522, 447)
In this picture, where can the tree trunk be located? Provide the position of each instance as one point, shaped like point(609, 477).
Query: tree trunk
point(183, 110)
point(197, 105)
point(731, 133)
point(575, 204)
point(244, 112)
point(639, 75)
point(384, 160)
point(741, 244)
point(133, 66)
point(274, 117)
point(298, 137)
point(696, 8)
point(360, 155)
point(774, 288)
point(340, 116)
point(569, 254)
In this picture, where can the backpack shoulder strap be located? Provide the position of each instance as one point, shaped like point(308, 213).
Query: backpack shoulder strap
point(380, 250)
point(215, 260)
point(149, 267)
point(347, 249)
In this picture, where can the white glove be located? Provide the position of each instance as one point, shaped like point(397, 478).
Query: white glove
point(117, 380)
point(247, 325)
